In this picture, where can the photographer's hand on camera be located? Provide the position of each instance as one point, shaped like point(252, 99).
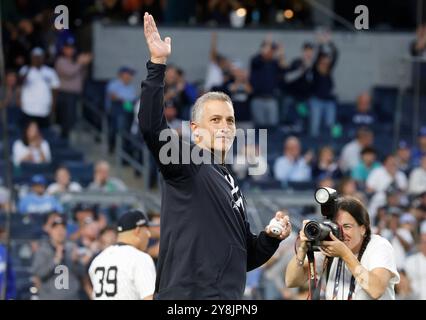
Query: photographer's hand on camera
point(335, 248)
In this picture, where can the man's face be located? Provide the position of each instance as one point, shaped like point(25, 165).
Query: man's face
point(308, 54)
point(38, 189)
point(63, 177)
point(391, 165)
point(68, 51)
point(216, 129)
point(58, 233)
point(404, 154)
point(369, 158)
point(126, 77)
point(324, 65)
point(292, 148)
point(143, 234)
point(363, 103)
point(37, 60)
point(102, 173)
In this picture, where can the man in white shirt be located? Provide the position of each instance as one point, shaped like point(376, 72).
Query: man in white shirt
point(123, 271)
point(415, 267)
point(381, 178)
point(351, 152)
point(417, 182)
point(39, 83)
point(292, 167)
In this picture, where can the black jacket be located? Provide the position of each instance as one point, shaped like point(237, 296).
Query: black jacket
point(206, 246)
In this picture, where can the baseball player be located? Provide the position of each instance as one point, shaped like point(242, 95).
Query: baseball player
point(123, 271)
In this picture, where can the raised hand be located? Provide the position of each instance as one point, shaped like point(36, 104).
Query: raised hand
point(158, 48)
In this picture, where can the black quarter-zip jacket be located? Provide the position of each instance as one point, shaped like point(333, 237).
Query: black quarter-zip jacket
point(206, 246)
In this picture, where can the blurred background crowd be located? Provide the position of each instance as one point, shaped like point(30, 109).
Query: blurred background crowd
point(77, 160)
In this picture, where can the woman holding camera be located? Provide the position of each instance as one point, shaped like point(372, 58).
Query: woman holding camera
point(367, 269)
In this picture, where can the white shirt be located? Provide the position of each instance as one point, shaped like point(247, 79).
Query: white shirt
point(56, 188)
point(379, 180)
point(20, 151)
point(37, 90)
point(351, 155)
point(214, 76)
point(400, 253)
point(122, 272)
point(417, 183)
point(288, 170)
point(415, 267)
point(378, 254)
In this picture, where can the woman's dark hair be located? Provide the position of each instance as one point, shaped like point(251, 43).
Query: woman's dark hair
point(357, 210)
point(24, 137)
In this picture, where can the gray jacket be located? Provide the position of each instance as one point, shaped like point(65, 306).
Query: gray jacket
point(58, 281)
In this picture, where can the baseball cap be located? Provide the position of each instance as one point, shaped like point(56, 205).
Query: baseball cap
point(131, 220)
point(37, 51)
point(127, 69)
point(38, 179)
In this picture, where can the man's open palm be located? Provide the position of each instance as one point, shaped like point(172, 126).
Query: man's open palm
point(158, 48)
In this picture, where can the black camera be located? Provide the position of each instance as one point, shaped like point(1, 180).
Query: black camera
point(317, 231)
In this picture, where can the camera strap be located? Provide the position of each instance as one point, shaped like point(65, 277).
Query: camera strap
point(312, 275)
point(337, 279)
point(351, 288)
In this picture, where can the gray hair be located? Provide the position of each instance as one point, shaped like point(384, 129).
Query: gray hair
point(209, 96)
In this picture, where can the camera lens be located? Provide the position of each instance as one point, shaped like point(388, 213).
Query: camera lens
point(312, 230)
point(316, 231)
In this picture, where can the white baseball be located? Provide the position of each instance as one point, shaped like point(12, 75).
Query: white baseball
point(275, 226)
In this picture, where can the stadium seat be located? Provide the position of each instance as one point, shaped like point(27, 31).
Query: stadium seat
point(80, 171)
point(60, 156)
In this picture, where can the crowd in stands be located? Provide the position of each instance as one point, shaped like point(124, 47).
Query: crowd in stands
point(313, 140)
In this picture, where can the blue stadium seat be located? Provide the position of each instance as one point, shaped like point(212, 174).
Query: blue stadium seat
point(60, 156)
point(29, 169)
point(80, 171)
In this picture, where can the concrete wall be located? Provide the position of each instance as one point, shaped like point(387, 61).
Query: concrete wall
point(366, 58)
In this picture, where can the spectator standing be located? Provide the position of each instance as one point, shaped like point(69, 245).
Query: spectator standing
point(267, 68)
point(39, 85)
point(71, 69)
point(323, 102)
point(121, 95)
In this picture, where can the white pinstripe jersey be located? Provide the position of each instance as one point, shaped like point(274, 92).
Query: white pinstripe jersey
point(122, 272)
